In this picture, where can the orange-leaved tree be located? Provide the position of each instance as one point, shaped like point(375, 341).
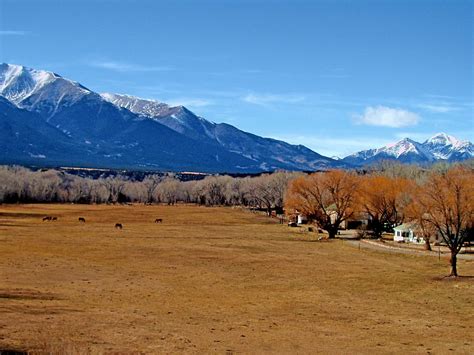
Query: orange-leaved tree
point(384, 200)
point(448, 201)
point(326, 198)
point(416, 212)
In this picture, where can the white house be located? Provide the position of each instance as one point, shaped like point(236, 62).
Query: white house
point(302, 219)
point(406, 233)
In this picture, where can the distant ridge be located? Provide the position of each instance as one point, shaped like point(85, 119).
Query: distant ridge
point(440, 147)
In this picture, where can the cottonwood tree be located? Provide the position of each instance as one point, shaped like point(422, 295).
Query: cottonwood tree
point(416, 212)
point(136, 191)
point(115, 187)
point(268, 191)
point(235, 192)
point(214, 188)
point(168, 191)
point(384, 200)
point(150, 183)
point(328, 198)
point(448, 200)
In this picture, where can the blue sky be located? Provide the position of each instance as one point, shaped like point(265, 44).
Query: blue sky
point(336, 76)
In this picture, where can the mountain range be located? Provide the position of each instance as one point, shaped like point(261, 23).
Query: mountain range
point(48, 120)
point(119, 131)
point(439, 147)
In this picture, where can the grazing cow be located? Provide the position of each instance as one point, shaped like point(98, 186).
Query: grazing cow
point(47, 218)
point(54, 218)
point(82, 220)
point(118, 225)
point(159, 220)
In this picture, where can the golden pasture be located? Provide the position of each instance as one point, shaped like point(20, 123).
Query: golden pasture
point(215, 280)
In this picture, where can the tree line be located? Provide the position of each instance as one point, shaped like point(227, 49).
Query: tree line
point(22, 185)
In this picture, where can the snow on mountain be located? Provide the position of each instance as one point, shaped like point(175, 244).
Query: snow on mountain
point(178, 118)
point(447, 147)
point(443, 139)
point(150, 108)
point(38, 90)
point(404, 147)
point(18, 82)
point(268, 153)
point(439, 147)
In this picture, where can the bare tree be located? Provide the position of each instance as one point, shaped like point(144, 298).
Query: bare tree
point(115, 187)
point(448, 200)
point(168, 191)
point(151, 182)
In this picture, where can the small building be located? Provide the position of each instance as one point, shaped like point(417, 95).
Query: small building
point(358, 220)
point(301, 219)
point(406, 232)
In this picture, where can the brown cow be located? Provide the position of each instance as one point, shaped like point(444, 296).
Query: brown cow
point(159, 220)
point(82, 220)
point(118, 225)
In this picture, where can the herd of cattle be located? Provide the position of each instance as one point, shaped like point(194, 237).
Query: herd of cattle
point(83, 220)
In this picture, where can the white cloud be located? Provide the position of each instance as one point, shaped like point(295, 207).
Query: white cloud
point(387, 117)
point(438, 108)
point(190, 102)
point(268, 99)
point(14, 33)
point(127, 67)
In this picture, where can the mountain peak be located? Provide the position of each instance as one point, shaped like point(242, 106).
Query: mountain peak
point(402, 147)
point(19, 83)
point(443, 139)
point(405, 140)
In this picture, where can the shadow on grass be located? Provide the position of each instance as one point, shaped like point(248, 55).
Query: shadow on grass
point(461, 278)
point(20, 215)
point(12, 352)
point(307, 240)
point(26, 295)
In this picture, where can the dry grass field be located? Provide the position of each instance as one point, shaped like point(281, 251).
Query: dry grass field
point(215, 280)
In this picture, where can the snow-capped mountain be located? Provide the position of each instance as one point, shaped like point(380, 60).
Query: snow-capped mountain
point(439, 147)
point(446, 147)
point(268, 153)
point(119, 131)
point(38, 90)
point(178, 118)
